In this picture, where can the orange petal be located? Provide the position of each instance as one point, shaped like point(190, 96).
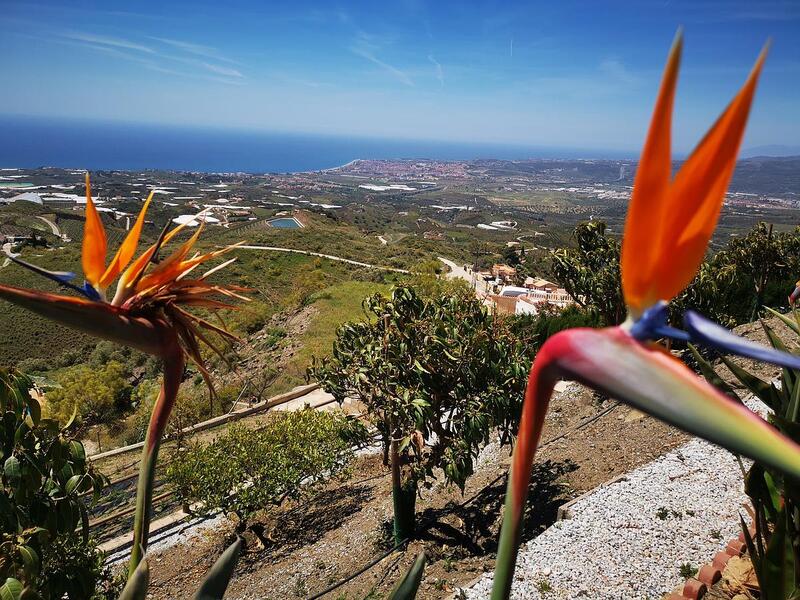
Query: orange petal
point(94, 242)
point(132, 273)
point(698, 191)
point(644, 224)
point(170, 267)
point(127, 249)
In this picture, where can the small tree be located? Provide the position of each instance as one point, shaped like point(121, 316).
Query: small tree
point(590, 272)
point(44, 473)
point(437, 376)
point(247, 470)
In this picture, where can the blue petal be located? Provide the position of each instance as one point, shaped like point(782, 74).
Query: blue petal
point(57, 276)
point(62, 278)
point(708, 333)
point(88, 291)
point(652, 325)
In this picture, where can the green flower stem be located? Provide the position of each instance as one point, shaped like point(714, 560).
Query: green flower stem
point(173, 373)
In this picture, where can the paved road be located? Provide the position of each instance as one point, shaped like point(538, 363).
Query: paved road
point(53, 226)
point(458, 272)
point(328, 256)
point(7, 250)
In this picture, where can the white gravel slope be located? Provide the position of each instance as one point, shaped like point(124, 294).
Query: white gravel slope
point(620, 544)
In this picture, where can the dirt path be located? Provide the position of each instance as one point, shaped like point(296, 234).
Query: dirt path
point(328, 256)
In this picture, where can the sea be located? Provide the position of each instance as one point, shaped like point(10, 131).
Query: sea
point(29, 142)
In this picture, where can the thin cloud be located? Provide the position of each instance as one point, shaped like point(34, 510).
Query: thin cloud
point(222, 70)
point(614, 69)
point(160, 69)
point(366, 46)
point(192, 48)
point(439, 70)
point(397, 73)
point(146, 57)
point(111, 42)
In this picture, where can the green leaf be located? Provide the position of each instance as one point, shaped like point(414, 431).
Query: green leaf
point(406, 588)
point(29, 594)
point(711, 375)
point(218, 577)
point(72, 417)
point(136, 588)
point(764, 391)
point(35, 410)
point(777, 567)
point(404, 443)
point(12, 470)
point(791, 323)
point(76, 451)
point(73, 483)
point(11, 589)
point(30, 559)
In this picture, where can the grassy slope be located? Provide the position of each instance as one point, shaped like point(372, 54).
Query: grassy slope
point(336, 305)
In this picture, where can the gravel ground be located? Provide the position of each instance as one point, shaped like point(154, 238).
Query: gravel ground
point(629, 539)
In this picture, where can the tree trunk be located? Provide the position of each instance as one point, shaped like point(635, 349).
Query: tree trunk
point(404, 497)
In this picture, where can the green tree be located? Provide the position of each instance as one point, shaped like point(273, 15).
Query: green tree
point(750, 272)
point(510, 256)
point(246, 470)
point(437, 377)
point(96, 394)
point(590, 272)
point(44, 473)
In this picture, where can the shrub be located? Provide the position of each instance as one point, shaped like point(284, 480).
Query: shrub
point(550, 320)
point(95, 394)
point(44, 473)
point(247, 470)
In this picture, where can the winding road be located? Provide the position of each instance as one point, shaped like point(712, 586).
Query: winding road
point(328, 256)
point(53, 227)
point(457, 272)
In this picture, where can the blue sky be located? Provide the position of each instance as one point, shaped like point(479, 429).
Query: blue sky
point(561, 73)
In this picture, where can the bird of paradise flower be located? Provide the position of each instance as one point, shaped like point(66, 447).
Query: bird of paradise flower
point(147, 312)
point(669, 224)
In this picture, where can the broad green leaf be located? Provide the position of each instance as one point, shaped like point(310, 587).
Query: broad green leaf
point(764, 391)
point(406, 588)
point(35, 410)
point(11, 589)
point(72, 483)
point(136, 588)
point(12, 470)
point(29, 594)
point(711, 375)
point(219, 576)
point(777, 566)
point(76, 451)
point(30, 559)
point(790, 322)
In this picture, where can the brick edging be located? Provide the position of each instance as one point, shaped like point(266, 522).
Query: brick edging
point(710, 573)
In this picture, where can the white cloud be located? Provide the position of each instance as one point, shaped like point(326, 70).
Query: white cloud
point(227, 72)
point(192, 48)
point(112, 42)
point(614, 69)
point(439, 70)
point(397, 73)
